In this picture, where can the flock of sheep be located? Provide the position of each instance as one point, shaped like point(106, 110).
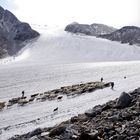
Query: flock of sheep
point(73, 90)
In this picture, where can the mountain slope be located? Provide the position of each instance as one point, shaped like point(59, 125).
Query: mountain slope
point(58, 59)
point(13, 33)
point(93, 29)
point(127, 34)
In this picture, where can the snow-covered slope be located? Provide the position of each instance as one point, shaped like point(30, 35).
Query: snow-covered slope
point(59, 59)
point(57, 46)
point(62, 47)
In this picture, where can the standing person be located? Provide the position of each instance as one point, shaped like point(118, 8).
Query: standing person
point(112, 85)
point(23, 93)
point(101, 79)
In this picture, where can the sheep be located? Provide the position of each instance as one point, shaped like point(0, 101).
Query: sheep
point(14, 100)
point(31, 99)
point(59, 98)
point(34, 95)
point(2, 105)
point(52, 96)
point(22, 102)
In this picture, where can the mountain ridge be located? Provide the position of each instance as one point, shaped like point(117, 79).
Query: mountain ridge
point(13, 33)
point(94, 29)
point(127, 34)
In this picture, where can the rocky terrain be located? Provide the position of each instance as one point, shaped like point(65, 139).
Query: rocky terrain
point(127, 34)
point(13, 33)
point(93, 29)
point(116, 120)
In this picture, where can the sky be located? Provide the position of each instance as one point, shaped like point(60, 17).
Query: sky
point(116, 13)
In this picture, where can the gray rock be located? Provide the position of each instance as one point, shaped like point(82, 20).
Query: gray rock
point(93, 29)
point(136, 91)
point(90, 113)
point(93, 112)
point(89, 136)
point(113, 118)
point(57, 131)
point(37, 131)
point(124, 100)
point(13, 33)
point(117, 137)
point(34, 138)
point(127, 34)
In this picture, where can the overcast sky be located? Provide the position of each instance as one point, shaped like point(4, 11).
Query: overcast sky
point(115, 13)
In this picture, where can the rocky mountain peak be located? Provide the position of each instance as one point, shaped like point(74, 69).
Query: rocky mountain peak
point(13, 33)
point(127, 34)
point(93, 29)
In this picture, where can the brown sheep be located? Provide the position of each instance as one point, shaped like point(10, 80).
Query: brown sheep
point(2, 105)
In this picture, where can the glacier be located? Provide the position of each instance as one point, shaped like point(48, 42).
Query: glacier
point(58, 59)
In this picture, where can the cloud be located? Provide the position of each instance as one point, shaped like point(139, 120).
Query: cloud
point(8, 4)
point(112, 12)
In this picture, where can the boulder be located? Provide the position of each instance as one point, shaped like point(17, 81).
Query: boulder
point(124, 100)
point(89, 136)
point(57, 131)
point(93, 112)
point(37, 131)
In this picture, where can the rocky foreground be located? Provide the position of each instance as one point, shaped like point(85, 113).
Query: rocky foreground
point(115, 120)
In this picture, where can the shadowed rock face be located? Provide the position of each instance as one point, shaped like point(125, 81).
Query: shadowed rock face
point(13, 33)
point(93, 29)
point(127, 34)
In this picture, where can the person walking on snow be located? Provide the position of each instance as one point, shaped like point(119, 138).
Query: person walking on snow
point(101, 79)
point(23, 93)
point(112, 85)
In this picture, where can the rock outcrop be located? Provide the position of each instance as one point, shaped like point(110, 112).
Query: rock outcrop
point(127, 34)
point(13, 33)
point(92, 30)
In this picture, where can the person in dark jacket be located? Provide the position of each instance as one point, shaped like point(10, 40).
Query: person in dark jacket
point(101, 79)
point(112, 85)
point(23, 93)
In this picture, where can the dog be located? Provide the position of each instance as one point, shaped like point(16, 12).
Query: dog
point(55, 109)
point(59, 98)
